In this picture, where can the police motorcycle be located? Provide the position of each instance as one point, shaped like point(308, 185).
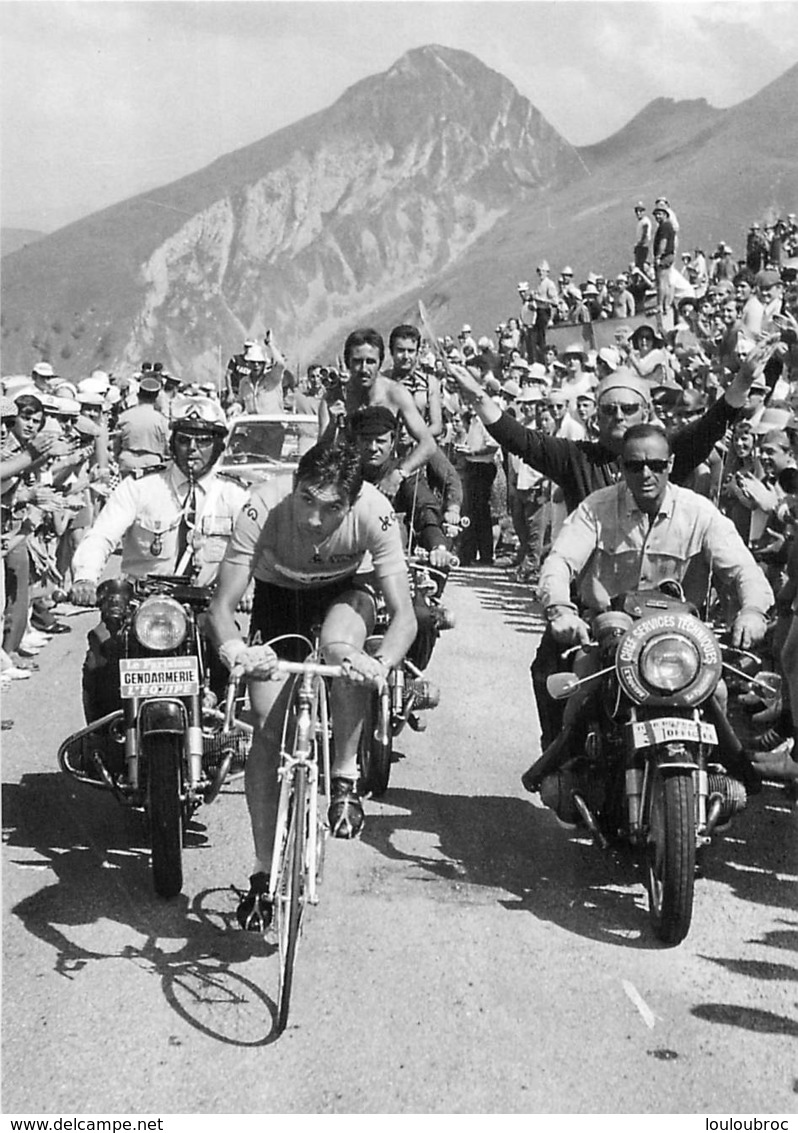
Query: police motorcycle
point(406, 692)
point(651, 744)
point(168, 749)
point(157, 739)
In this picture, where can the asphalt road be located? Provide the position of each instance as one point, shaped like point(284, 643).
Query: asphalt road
point(469, 955)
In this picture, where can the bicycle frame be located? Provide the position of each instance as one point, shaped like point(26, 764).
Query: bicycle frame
point(311, 728)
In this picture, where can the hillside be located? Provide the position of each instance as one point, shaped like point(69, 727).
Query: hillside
point(13, 238)
point(721, 170)
point(434, 180)
point(300, 232)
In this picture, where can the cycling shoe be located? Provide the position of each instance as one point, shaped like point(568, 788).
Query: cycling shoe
point(254, 912)
point(346, 811)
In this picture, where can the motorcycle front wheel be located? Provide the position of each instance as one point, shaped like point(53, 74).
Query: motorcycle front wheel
point(670, 856)
point(374, 754)
point(165, 813)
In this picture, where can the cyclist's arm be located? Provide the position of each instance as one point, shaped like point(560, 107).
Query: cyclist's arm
point(232, 582)
point(402, 629)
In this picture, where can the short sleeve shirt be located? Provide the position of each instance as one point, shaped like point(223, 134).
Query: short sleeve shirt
point(268, 540)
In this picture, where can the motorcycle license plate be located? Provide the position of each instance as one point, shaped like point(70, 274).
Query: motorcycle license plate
point(158, 676)
point(665, 729)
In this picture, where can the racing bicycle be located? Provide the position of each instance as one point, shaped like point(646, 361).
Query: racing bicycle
point(301, 828)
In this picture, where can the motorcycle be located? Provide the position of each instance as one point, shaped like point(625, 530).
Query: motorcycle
point(406, 692)
point(651, 740)
point(168, 748)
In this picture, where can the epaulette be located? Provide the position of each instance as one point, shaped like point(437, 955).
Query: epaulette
point(235, 477)
point(140, 473)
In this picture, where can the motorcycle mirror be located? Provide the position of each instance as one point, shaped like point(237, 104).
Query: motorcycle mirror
point(560, 685)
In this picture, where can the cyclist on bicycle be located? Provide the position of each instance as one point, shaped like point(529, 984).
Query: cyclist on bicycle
point(307, 543)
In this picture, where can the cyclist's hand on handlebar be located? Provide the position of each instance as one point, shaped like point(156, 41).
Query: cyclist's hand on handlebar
point(567, 629)
point(256, 661)
point(361, 668)
point(748, 629)
point(83, 593)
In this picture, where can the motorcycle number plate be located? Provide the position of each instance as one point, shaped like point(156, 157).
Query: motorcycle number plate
point(666, 729)
point(158, 676)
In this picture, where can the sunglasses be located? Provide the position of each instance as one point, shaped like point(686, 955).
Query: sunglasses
point(201, 440)
point(628, 408)
point(639, 465)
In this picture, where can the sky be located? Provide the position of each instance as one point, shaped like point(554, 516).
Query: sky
point(101, 100)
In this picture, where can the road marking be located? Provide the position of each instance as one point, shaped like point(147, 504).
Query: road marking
point(648, 1015)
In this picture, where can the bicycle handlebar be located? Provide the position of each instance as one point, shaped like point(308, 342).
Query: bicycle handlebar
point(313, 667)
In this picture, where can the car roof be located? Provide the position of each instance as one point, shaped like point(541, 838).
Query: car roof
point(266, 418)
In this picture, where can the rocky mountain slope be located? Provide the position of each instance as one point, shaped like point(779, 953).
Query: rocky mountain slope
point(303, 231)
point(720, 169)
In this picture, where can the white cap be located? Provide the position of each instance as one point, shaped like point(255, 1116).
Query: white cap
point(67, 406)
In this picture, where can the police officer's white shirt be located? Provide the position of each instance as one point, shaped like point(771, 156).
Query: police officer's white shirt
point(144, 515)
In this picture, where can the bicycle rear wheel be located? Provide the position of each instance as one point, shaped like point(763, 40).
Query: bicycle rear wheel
point(290, 895)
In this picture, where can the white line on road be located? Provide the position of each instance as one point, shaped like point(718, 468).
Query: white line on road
point(648, 1015)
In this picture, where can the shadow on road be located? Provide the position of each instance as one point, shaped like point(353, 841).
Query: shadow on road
point(508, 845)
point(514, 602)
point(102, 868)
point(749, 1018)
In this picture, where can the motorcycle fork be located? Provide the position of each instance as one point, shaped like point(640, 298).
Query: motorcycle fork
point(132, 743)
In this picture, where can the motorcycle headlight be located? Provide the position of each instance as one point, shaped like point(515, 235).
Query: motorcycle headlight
point(669, 663)
point(161, 624)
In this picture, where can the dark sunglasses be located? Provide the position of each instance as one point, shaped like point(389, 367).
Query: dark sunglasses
point(628, 408)
point(639, 465)
point(201, 440)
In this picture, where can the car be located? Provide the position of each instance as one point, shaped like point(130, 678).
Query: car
point(262, 445)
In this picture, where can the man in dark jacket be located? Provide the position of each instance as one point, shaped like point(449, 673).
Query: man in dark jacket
point(582, 467)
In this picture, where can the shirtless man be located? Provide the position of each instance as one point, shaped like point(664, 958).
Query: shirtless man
point(364, 353)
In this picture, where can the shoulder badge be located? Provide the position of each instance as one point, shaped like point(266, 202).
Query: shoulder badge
point(140, 473)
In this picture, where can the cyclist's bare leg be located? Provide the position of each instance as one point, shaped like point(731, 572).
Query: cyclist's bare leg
point(269, 701)
point(346, 627)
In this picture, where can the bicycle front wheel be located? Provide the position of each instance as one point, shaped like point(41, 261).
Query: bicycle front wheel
point(290, 895)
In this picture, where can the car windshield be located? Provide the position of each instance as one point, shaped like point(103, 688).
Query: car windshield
point(253, 442)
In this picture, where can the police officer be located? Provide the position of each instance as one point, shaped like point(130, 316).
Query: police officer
point(172, 520)
point(142, 439)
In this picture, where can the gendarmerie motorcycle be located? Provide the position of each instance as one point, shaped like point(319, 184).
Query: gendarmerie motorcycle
point(407, 692)
point(167, 748)
point(653, 743)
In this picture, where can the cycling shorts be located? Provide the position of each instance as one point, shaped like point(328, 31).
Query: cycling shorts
point(276, 611)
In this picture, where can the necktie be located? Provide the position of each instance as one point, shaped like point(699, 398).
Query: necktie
point(188, 520)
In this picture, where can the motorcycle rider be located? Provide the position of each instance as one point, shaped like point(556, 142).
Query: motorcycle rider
point(175, 519)
point(374, 430)
point(633, 536)
point(580, 467)
point(304, 544)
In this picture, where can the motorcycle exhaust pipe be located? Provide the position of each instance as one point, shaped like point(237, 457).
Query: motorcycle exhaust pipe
point(714, 812)
point(589, 820)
